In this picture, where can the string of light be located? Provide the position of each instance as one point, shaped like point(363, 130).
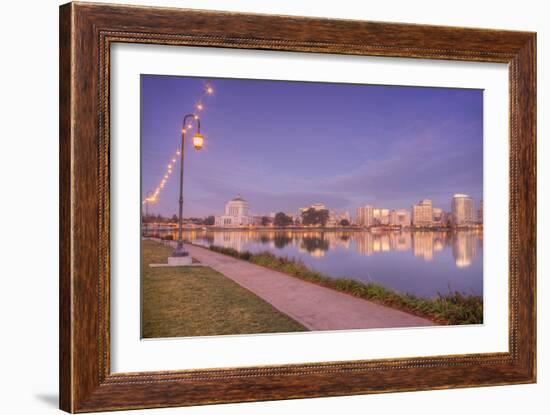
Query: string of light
point(153, 197)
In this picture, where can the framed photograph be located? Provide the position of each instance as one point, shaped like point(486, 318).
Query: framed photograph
point(258, 207)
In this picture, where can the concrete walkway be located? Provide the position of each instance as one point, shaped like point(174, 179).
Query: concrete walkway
point(315, 307)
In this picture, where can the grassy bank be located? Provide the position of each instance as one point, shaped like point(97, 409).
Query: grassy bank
point(451, 308)
point(198, 301)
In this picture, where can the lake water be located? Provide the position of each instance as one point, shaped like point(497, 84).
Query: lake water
point(418, 262)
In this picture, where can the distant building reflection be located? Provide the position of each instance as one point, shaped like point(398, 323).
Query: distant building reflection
point(423, 245)
point(465, 244)
point(400, 241)
point(464, 248)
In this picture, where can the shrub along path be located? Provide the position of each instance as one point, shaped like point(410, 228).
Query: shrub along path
point(314, 306)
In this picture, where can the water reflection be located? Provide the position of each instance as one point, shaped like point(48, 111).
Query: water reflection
point(316, 246)
point(421, 262)
point(426, 245)
point(464, 249)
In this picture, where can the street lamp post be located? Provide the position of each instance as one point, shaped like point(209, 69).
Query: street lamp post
point(180, 256)
point(147, 201)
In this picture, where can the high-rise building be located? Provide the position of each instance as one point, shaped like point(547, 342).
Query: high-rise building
point(400, 217)
point(462, 210)
point(381, 216)
point(365, 215)
point(438, 216)
point(335, 218)
point(422, 213)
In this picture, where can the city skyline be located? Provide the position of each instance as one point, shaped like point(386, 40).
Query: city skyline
point(366, 215)
point(384, 144)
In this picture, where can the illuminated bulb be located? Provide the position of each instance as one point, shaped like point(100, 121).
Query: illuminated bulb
point(200, 107)
point(173, 160)
point(198, 141)
point(178, 153)
point(209, 90)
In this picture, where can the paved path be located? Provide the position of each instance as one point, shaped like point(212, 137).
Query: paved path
point(315, 307)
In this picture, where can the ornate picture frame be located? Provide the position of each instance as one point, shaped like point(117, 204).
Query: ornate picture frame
point(87, 32)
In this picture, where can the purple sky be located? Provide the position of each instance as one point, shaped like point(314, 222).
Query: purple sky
point(283, 145)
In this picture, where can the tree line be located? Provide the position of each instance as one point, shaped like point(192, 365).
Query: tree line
point(308, 217)
point(209, 220)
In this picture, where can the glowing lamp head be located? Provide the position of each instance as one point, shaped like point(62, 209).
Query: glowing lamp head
point(198, 141)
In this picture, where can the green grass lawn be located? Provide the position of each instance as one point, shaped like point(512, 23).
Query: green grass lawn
point(198, 301)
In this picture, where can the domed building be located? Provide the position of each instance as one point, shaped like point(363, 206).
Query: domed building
point(237, 213)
